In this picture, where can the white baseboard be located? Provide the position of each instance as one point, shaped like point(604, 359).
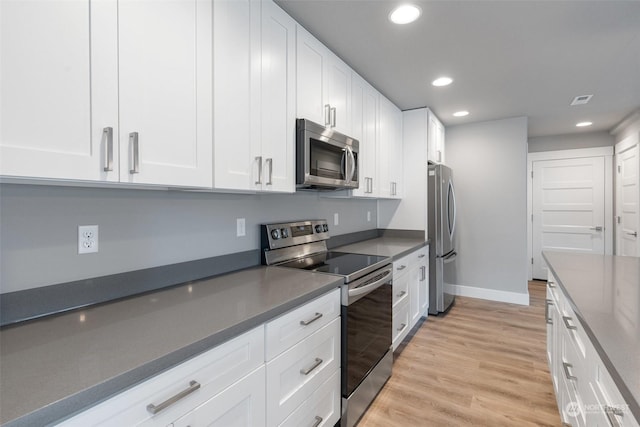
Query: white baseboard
point(489, 294)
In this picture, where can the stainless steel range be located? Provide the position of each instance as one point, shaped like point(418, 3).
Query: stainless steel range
point(366, 351)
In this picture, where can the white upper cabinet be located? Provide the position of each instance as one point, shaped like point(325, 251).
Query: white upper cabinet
point(323, 84)
point(165, 57)
point(58, 79)
point(254, 103)
point(364, 128)
point(71, 70)
point(435, 139)
point(390, 150)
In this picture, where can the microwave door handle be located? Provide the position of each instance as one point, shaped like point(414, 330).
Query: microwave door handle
point(343, 164)
point(353, 163)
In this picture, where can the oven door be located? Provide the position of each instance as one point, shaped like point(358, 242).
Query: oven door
point(366, 332)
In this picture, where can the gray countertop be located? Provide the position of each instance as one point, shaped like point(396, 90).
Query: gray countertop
point(394, 247)
point(604, 292)
point(58, 365)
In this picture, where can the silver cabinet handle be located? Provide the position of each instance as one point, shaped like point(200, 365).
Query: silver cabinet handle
point(546, 312)
point(566, 320)
point(333, 115)
point(566, 366)
point(327, 114)
point(402, 326)
point(370, 185)
point(551, 284)
point(193, 386)
point(107, 141)
point(402, 267)
point(259, 160)
point(135, 152)
point(270, 163)
point(310, 321)
point(596, 228)
point(613, 412)
point(401, 294)
point(307, 371)
point(318, 421)
point(634, 234)
point(423, 269)
point(422, 255)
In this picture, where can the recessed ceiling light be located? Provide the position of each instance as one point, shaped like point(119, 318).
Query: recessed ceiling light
point(461, 113)
point(405, 14)
point(442, 81)
point(583, 124)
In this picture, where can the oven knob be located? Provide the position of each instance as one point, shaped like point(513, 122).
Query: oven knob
point(275, 234)
point(325, 227)
point(319, 228)
point(284, 233)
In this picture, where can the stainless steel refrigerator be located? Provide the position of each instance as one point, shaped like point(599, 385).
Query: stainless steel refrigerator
point(442, 228)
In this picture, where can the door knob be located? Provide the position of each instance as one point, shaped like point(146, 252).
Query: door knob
point(596, 228)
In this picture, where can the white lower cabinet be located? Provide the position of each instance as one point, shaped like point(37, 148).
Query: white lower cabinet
point(322, 408)
point(585, 392)
point(241, 405)
point(401, 325)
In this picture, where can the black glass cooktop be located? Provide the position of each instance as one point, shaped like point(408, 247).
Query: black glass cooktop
point(340, 263)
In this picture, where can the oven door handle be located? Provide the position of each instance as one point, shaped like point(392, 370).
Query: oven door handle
point(386, 275)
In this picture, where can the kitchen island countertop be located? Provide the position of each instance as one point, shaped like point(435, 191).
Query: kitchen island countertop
point(604, 292)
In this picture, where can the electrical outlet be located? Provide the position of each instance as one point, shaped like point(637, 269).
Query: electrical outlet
point(336, 219)
point(240, 227)
point(87, 239)
point(368, 216)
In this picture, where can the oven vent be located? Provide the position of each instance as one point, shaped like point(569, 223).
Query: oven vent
point(581, 99)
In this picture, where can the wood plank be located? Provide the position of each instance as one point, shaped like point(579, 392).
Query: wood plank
point(482, 364)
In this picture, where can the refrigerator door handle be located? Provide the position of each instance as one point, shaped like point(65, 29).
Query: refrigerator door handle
point(450, 258)
point(455, 210)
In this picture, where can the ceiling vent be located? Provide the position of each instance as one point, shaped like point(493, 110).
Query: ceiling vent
point(581, 100)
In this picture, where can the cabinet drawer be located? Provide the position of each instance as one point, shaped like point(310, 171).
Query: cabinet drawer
point(292, 327)
point(420, 255)
point(241, 405)
point(401, 266)
point(400, 289)
point(214, 371)
point(321, 409)
point(400, 324)
point(609, 396)
point(294, 375)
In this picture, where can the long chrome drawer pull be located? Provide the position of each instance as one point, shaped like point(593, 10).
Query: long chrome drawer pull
point(307, 371)
point(566, 320)
point(193, 386)
point(401, 294)
point(611, 413)
point(402, 326)
point(546, 312)
point(135, 153)
point(402, 267)
point(270, 163)
point(107, 136)
point(318, 421)
point(327, 115)
point(313, 319)
point(566, 366)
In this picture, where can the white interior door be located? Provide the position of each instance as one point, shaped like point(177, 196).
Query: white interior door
point(568, 208)
point(627, 197)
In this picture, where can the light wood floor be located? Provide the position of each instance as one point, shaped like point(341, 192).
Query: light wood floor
point(483, 364)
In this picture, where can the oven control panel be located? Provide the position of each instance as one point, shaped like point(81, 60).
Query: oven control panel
point(281, 235)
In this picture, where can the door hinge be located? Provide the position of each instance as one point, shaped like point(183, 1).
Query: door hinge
point(619, 169)
point(531, 174)
point(531, 217)
point(619, 219)
point(531, 261)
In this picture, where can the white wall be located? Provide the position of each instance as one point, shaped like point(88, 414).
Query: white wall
point(409, 213)
point(570, 142)
point(142, 228)
point(489, 162)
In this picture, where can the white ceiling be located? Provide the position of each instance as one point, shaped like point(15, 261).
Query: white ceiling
point(507, 58)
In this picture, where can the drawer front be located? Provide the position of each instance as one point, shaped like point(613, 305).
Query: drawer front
point(609, 396)
point(294, 326)
point(241, 405)
point(213, 371)
point(420, 256)
point(400, 289)
point(294, 375)
point(401, 266)
point(400, 324)
point(321, 409)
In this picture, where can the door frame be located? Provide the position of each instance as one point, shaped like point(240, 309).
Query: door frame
point(619, 148)
point(607, 153)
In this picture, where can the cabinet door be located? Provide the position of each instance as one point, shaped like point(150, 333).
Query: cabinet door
point(241, 405)
point(435, 139)
point(311, 59)
point(235, 87)
point(384, 148)
point(364, 118)
point(58, 80)
point(423, 261)
point(278, 98)
point(395, 153)
point(165, 76)
point(414, 294)
point(339, 94)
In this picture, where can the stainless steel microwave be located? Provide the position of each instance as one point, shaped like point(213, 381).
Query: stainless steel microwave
point(325, 159)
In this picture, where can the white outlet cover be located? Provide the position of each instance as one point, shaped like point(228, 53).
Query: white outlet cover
point(240, 227)
point(335, 219)
point(87, 239)
point(368, 216)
